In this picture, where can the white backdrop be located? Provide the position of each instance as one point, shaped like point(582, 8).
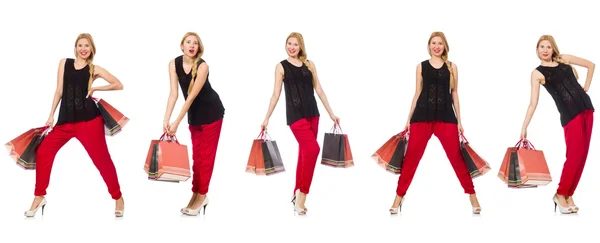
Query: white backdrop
point(365, 52)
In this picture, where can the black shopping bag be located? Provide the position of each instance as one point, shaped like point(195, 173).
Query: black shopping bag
point(333, 150)
point(272, 157)
point(397, 159)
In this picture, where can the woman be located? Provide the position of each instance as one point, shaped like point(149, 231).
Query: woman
point(80, 118)
point(204, 112)
point(299, 76)
point(559, 78)
point(435, 111)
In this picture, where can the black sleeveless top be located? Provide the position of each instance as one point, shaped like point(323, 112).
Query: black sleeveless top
point(568, 95)
point(435, 101)
point(300, 99)
point(207, 106)
point(74, 107)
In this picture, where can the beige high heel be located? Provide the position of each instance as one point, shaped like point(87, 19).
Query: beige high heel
point(398, 209)
point(31, 213)
point(195, 212)
point(298, 210)
point(563, 210)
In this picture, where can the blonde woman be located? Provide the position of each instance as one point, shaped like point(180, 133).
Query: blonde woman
point(204, 111)
point(576, 111)
point(299, 77)
point(79, 118)
point(435, 111)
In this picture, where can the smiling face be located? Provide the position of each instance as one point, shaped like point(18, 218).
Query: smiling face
point(84, 48)
point(545, 50)
point(190, 46)
point(292, 47)
point(437, 46)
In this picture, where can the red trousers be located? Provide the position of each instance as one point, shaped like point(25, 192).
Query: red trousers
point(578, 133)
point(305, 130)
point(91, 135)
point(205, 139)
point(420, 134)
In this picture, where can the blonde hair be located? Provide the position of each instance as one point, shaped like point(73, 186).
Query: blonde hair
point(444, 54)
point(302, 53)
point(555, 52)
point(196, 58)
point(90, 59)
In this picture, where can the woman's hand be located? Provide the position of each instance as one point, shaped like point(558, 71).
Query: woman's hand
point(335, 119)
point(166, 126)
point(50, 122)
point(90, 92)
point(173, 128)
point(523, 134)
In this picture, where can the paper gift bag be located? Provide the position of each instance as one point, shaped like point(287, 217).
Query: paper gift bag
point(264, 158)
point(23, 148)
point(524, 167)
point(167, 160)
point(475, 163)
point(114, 120)
point(336, 149)
point(533, 167)
point(391, 154)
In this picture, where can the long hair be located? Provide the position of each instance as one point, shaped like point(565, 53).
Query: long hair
point(555, 52)
point(90, 59)
point(196, 58)
point(302, 53)
point(444, 54)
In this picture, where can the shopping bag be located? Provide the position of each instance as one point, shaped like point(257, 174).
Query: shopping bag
point(391, 154)
point(23, 148)
point(264, 158)
point(533, 167)
point(114, 120)
point(475, 163)
point(336, 149)
point(167, 160)
point(524, 167)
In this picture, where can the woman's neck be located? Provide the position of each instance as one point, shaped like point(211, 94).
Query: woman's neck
point(188, 59)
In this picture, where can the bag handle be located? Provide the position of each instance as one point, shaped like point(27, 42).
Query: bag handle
point(528, 145)
point(264, 135)
point(404, 133)
point(463, 138)
point(524, 143)
point(336, 129)
point(168, 138)
point(45, 130)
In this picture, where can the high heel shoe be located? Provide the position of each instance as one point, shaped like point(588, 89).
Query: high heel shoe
point(398, 209)
point(32, 213)
point(563, 210)
point(119, 213)
point(195, 212)
point(476, 210)
point(298, 210)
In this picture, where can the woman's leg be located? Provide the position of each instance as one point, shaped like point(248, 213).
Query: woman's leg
point(92, 137)
point(205, 140)
point(45, 155)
